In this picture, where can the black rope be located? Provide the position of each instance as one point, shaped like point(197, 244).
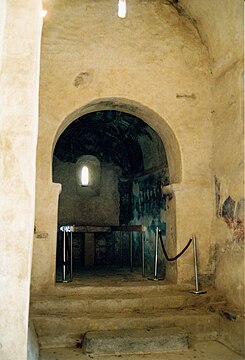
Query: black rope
point(177, 256)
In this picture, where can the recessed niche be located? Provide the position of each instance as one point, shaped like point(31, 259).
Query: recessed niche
point(88, 175)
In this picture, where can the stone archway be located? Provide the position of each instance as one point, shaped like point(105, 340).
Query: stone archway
point(144, 113)
point(170, 142)
point(77, 204)
point(44, 274)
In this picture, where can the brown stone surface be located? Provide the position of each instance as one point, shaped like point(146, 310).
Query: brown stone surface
point(135, 341)
point(210, 350)
point(62, 317)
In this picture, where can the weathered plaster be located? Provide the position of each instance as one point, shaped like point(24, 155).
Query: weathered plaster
point(19, 81)
point(148, 60)
point(180, 71)
point(228, 164)
point(220, 26)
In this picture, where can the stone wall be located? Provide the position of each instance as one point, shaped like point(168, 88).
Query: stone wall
point(151, 64)
point(176, 66)
point(223, 36)
point(84, 208)
point(228, 227)
point(20, 32)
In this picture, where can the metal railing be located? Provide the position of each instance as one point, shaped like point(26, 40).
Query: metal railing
point(192, 239)
point(67, 240)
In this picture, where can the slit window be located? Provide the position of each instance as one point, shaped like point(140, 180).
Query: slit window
point(84, 176)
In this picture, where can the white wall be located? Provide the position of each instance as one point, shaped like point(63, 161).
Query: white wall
point(19, 80)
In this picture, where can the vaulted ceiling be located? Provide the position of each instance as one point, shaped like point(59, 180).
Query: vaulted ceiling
point(111, 136)
point(219, 24)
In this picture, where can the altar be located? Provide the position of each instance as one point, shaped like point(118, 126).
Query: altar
point(89, 232)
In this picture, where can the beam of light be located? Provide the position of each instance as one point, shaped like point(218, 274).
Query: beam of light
point(122, 8)
point(44, 13)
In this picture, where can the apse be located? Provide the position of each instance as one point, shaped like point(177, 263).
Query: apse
point(112, 167)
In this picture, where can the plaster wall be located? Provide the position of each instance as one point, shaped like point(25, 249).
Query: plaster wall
point(20, 34)
point(223, 35)
point(84, 209)
point(228, 234)
point(220, 24)
point(151, 64)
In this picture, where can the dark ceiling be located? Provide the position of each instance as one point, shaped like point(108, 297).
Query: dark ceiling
point(111, 136)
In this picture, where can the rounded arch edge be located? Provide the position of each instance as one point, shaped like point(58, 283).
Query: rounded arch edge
point(148, 115)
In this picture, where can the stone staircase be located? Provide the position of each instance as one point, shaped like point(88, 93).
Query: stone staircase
point(96, 317)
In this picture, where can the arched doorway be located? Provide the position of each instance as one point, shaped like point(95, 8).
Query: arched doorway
point(112, 166)
point(44, 272)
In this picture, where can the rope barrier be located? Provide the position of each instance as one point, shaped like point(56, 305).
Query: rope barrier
point(165, 253)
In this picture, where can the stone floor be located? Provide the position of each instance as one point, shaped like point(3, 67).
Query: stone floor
point(116, 276)
point(199, 350)
point(108, 275)
point(108, 285)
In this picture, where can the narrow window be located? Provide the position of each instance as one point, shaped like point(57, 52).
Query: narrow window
point(84, 176)
point(122, 8)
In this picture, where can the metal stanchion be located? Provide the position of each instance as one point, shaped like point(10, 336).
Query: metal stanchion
point(121, 249)
point(131, 250)
point(196, 291)
point(64, 258)
point(143, 253)
point(71, 274)
point(156, 256)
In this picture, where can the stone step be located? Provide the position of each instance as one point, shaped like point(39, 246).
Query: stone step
point(135, 341)
point(198, 350)
point(118, 288)
point(64, 330)
point(122, 302)
point(138, 287)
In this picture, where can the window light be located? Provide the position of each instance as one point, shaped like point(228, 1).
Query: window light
point(122, 8)
point(44, 13)
point(84, 176)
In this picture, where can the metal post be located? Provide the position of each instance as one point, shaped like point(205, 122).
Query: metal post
point(71, 258)
point(64, 257)
point(197, 291)
point(195, 262)
point(121, 249)
point(156, 254)
point(143, 253)
point(131, 251)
